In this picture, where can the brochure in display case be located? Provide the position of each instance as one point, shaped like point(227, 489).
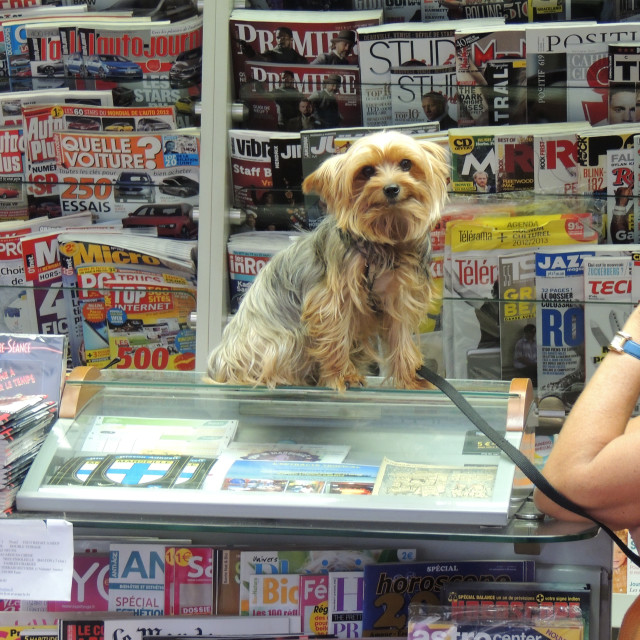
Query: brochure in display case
point(204, 461)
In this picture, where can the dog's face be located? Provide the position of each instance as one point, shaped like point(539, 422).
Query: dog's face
point(387, 188)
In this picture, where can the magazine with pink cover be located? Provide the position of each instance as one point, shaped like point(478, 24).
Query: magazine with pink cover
point(189, 581)
point(314, 604)
point(90, 586)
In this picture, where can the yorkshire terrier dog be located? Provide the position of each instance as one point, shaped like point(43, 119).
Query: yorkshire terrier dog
point(353, 292)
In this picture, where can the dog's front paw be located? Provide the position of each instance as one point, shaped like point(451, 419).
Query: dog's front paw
point(417, 383)
point(342, 383)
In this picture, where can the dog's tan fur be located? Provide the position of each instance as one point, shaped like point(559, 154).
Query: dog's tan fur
point(354, 291)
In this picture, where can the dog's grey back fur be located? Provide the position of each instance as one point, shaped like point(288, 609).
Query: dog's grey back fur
point(283, 285)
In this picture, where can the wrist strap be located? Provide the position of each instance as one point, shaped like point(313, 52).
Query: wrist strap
point(518, 458)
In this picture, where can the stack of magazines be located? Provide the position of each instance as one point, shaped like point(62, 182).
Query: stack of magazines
point(25, 420)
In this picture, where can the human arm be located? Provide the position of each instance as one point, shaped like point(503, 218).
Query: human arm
point(596, 459)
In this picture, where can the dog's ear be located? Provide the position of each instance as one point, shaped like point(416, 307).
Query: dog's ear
point(323, 180)
point(438, 159)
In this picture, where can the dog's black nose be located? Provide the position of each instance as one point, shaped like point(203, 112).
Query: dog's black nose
point(391, 190)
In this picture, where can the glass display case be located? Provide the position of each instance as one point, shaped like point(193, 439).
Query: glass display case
point(155, 454)
point(374, 455)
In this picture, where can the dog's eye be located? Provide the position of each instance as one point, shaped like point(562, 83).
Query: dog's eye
point(368, 172)
point(405, 165)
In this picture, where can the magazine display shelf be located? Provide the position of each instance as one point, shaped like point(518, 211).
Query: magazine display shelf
point(374, 422)
point(370, 424)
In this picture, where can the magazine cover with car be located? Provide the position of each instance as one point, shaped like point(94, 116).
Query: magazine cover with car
point(142, 62)
point(157, 65)
point(142, 178)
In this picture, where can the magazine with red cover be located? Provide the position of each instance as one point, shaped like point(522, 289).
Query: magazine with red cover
point(514, 160)
point(286, 86)
point(189, 580)
point(116, 174)
point(158, 63)
point(295, 38)
point(13, 194)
